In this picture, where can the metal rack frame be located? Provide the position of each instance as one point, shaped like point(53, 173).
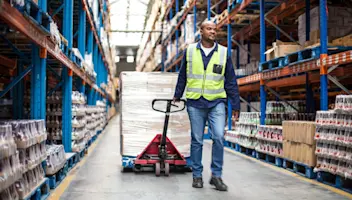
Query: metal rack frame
point(45, 53)
point(270, 15)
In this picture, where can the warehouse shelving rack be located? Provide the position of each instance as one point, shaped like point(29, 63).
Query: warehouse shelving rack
point(26, 47)
point(306, 76)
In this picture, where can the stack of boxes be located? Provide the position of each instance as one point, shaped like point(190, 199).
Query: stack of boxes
point(299, 144)
point(339, 24)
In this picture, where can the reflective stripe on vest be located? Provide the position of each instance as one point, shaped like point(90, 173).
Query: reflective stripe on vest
point(202, 82)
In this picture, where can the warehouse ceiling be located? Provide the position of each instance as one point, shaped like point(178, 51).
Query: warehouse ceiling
point(128, 19)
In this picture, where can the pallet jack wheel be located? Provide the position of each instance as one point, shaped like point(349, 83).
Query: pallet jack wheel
point(167, 169)
point(157, 169)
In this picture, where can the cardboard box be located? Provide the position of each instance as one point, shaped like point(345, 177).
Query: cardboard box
point(280, 49)
point(299, 131)
point(299, 152)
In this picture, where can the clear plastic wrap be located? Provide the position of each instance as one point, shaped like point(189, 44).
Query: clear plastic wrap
point(7, 143)
point(29, 181)
point(56, 158)
point(334, 138)
point(32, 156)
point(10, 193)
point(26, 133)
point(139, 123)
point(10, 171)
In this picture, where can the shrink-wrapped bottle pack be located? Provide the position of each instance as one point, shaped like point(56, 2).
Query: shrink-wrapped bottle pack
point(139, 123)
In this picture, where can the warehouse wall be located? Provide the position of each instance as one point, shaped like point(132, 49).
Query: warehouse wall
point(124, 66)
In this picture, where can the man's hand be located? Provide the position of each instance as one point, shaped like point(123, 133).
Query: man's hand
point(235, 115)
point(175, 100)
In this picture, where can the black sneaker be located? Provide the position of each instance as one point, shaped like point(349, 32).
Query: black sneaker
point(197, 183)
point(218, 183)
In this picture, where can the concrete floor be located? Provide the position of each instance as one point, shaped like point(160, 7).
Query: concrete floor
point(100, 178)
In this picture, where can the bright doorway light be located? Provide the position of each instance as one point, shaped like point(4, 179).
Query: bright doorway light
point(130, 59)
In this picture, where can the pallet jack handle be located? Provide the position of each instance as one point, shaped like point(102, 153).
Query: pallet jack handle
point(166, 122)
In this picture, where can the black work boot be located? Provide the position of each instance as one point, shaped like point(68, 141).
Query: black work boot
point(197, 183)
point(218, 183)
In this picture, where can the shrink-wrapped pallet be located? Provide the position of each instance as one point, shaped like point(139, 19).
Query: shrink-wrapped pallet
point(139, 123)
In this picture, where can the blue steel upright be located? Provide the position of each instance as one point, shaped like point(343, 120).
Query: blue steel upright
point(262, 59)
point(209, 9)
point(82, 38)
point(67, 78)
point(323, 55)
point(90, 51)
point(38, 77)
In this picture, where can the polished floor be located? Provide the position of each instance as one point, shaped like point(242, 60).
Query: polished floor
point(100, 178)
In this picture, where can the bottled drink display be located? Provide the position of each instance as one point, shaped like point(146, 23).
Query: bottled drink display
point(334, 138)
point(270, 140)
point(56, 158)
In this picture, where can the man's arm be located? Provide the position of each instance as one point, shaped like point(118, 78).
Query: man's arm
point(231, 86)
point(182, 78)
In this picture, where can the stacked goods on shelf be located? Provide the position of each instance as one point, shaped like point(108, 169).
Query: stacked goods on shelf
point(22, 171)
point(299, 144)
point(29, 181)
point(9, 194)
point(270, 140)
point(137, 91)
point(247, 69)
point(11, 169)
point(96, 119)
point(280, 49)
point(334, 138)
point(56, 158)
point(339, 24)
point(79, 122)
point(54, 119)
point(277, 112)
point(244, 132)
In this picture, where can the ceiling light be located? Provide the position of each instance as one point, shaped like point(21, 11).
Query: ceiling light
point(117, 59)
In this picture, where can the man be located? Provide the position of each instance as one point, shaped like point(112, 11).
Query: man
point(209, 78)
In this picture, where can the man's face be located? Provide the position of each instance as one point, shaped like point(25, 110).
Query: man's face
point(208, 31)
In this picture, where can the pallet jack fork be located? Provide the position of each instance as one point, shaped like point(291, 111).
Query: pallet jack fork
point(161, 152)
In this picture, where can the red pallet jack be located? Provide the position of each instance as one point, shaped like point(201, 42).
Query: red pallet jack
point(161, 152)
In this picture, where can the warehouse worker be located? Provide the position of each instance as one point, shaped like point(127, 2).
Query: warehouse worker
point(209, 78)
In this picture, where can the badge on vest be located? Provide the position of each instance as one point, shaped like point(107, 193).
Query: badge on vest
point(217, 69)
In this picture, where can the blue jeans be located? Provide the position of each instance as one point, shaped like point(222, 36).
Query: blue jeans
point(216, 122)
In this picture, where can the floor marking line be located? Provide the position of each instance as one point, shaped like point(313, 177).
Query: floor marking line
point(332, 189)
point(59, 191)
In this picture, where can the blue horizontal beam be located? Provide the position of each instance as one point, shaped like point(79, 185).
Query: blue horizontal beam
point(15, 81)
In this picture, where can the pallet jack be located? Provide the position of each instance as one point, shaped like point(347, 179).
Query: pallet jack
point(161, 153)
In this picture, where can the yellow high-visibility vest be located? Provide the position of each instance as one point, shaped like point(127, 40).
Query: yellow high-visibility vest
point(208, 83)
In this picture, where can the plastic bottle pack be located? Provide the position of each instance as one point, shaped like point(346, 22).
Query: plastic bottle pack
point(9, 194)
point(7, 143)
point(249, 118)
point(56, 158)
point(26, 132)
point(29, 181)
point(32, 156)
point(10, 171)
point(343, 103)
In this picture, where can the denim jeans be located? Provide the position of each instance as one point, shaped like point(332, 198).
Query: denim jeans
point(216, 122)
